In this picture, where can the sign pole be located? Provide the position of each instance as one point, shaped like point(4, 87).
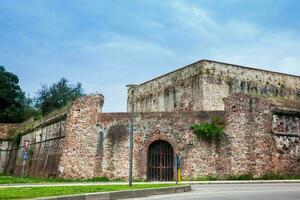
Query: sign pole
point(176, 169)
point(23, 168)
point(25, 156)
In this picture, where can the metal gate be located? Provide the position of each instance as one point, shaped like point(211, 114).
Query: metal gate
point(160, 161)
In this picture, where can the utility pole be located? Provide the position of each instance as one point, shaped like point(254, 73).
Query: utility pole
point(131, 87)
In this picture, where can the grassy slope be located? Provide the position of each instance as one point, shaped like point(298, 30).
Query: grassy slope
point(35, 192)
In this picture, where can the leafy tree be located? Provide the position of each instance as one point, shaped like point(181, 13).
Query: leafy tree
point(57, 95)
point(14, 105)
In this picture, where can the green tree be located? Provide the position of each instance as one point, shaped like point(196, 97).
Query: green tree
point(14, 105)
point(57, 95)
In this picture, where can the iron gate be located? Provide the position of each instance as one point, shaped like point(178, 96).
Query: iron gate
point(160, 161)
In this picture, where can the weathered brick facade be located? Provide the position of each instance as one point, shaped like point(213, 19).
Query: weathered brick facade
point(79, 152)
point(204, 84)
point(261, 111)
point(149, 127)
point(256, 143)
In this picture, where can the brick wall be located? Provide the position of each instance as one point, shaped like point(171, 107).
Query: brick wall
point(251, 144)
point(80, 149)
point(45, 139)
point(203, 85)
point(5, 144)
point(198, 157)
point(263, 135)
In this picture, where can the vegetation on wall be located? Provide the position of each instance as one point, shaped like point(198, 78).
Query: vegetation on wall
point(209, 131)
point(15, 134)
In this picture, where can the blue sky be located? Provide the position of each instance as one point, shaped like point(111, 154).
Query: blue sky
point(108, 44)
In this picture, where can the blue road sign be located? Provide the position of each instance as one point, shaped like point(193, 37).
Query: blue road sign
point(178, 161)
point(25, 155)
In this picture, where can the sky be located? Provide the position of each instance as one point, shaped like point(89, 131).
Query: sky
point(107, 44)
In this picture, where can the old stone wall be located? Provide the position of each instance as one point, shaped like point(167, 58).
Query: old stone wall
point(65, 145)
point(203, 85)
point(4, 129)
point(6, 143)
point(5, 146)
point(81, 147)
point(198, 157)
point(45, 141)
point(263, 134)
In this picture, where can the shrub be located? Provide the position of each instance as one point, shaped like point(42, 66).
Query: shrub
point(277, 176)
point(209, 131)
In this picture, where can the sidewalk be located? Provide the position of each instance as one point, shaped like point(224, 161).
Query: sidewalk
point(125, 183)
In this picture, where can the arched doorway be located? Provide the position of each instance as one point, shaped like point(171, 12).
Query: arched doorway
point(160, 161)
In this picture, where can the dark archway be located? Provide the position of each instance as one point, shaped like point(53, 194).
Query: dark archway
point(160, 161)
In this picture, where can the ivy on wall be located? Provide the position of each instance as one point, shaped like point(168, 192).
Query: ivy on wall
point(209, 131)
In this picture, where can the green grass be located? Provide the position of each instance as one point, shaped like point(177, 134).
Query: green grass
point(15, 179)
point(35, 192)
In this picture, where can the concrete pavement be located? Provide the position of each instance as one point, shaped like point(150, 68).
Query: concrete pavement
point(267, 191)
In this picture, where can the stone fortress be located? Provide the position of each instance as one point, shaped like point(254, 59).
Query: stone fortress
point(260, 110)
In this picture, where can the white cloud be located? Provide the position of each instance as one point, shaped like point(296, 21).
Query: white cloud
point(105, 51)
point(239, 42)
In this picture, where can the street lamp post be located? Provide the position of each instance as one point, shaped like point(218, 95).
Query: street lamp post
point(132, 87)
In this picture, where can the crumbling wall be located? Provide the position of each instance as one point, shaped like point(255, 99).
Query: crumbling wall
point(5, 144)
point(67, 145)
point(263, 134)
point(286, 133)
point(5, 147)
point(4, 129)
point(198, 157)
point(80, 151)
point(44, 139)
point(203, 85)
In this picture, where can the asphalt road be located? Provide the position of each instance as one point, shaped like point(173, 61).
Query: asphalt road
point(277, 191)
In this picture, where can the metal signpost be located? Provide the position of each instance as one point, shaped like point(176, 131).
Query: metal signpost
point(178, 172)
point(25, 156)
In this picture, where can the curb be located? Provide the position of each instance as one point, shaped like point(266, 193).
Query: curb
point(125, 194)
point(239, 182)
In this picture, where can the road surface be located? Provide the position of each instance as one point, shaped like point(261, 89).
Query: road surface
point(277, 191)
